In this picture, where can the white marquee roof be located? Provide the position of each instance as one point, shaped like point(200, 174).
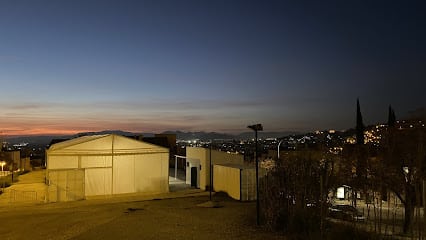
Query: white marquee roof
point(104, 144)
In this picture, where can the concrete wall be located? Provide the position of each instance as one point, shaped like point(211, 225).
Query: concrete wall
point(239, 182)
point(217, 157)
point(227, 179)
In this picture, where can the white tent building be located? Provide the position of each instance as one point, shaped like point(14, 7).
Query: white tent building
point(105, 165)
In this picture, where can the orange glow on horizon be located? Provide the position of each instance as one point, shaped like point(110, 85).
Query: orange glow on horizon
point(38, 131)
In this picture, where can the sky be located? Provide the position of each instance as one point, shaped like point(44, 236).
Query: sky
point(153, 66)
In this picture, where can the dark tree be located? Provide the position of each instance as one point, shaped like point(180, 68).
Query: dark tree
point(359, 125)
point(391, 117)
point(404, 160)
point(360, 155)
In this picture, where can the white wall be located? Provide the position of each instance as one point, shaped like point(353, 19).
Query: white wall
point(152, 173)
point(123, 174)
point(95, 161)
point(217, 157)
point(62, 162)
point(189, 164)
point(133, 166)
point(98, 181)
point(227, 179)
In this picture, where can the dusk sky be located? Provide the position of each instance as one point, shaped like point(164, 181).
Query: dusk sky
point(151, 66)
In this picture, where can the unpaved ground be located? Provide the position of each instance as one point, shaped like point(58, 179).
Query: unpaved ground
point(178, 218)
point(29, 188)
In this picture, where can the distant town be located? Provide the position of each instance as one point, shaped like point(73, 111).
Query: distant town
point(269, 144)
point(324, 177)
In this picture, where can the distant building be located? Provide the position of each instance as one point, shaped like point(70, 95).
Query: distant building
point(25, 164)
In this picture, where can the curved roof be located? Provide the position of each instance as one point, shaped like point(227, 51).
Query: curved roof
point(104, 144)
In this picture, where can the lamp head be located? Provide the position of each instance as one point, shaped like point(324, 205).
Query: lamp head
point(256, 127)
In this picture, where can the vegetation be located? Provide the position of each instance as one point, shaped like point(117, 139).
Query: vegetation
point(403, 159)
point(4, 183)
point(294, 195)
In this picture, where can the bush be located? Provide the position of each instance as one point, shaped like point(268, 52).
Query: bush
point(291, 195)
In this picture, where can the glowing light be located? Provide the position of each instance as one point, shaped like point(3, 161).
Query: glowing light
point(341, 192)
point(2, 163)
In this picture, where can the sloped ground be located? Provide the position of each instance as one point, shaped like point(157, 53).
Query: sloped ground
point(30, 188)
point(180, 214)
point(175, 218)
point(178, 183)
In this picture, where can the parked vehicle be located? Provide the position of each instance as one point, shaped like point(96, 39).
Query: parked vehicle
point(345, 212)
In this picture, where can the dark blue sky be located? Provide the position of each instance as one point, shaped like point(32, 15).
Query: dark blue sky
point(69, 66)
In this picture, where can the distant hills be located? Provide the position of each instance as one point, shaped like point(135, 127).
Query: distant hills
point(213, 135)
point(46, 139)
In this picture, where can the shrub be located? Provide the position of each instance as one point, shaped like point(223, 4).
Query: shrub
point(291, 195)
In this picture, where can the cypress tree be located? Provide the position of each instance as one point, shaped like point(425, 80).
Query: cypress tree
point(391, 117)
point(359, 125)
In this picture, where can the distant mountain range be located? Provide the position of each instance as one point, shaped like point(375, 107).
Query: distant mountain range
point(213, 135)
point(46, 139)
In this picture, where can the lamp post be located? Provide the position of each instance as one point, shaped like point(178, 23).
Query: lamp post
point(256, 128)
point(278, 154)
point(211, 172)
point(2, 163)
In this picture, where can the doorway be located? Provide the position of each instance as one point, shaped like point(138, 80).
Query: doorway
point(194, 177)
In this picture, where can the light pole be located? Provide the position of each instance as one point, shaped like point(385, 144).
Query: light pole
point(211, 172)
point(278, 155)
point(2, 163)
point(256, 128)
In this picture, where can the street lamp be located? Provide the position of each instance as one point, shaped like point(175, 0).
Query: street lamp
point(278, 155)
point(211, 171)
point(2, 163)
point(256, 128)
